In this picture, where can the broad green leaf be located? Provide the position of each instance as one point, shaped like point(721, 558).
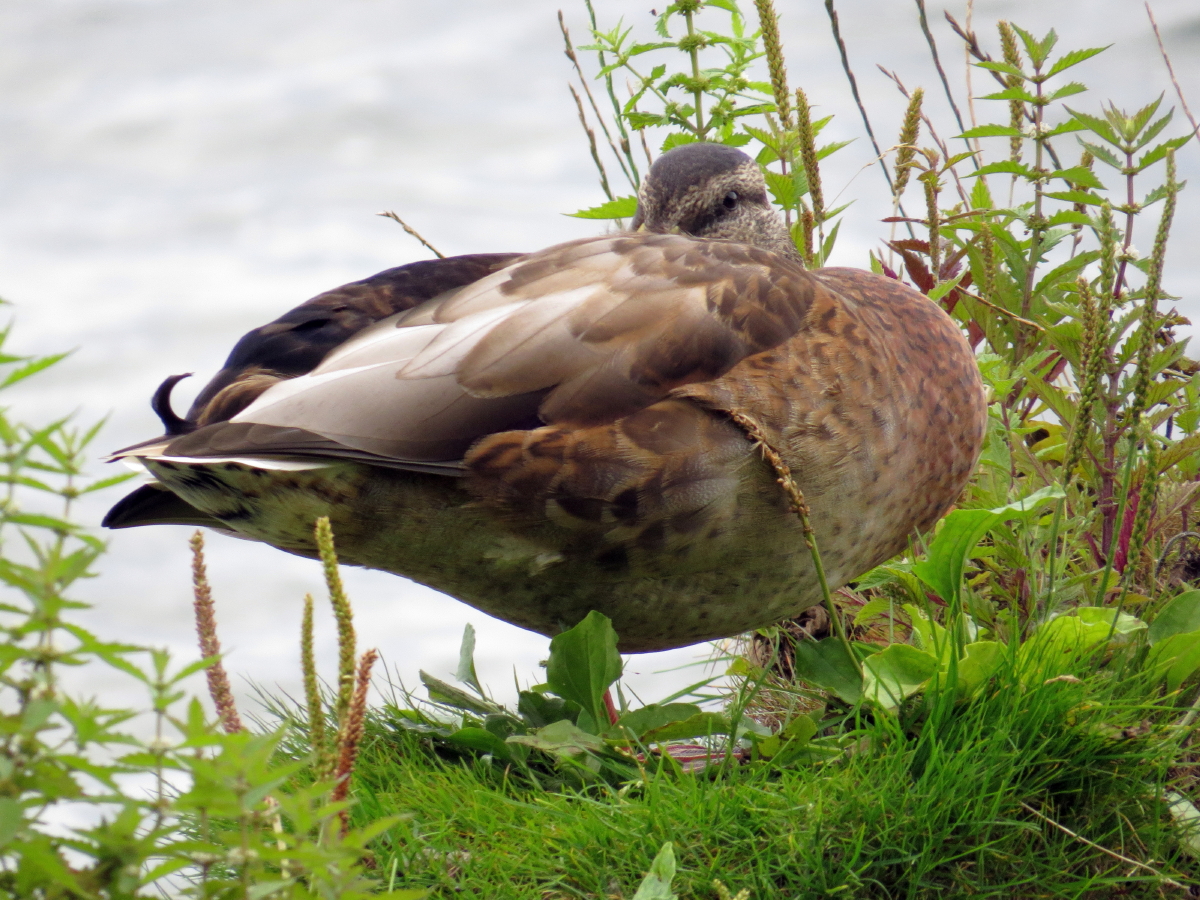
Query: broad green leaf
point(540, 709)
point(1178, 656)
point(584, 662)
point(620, 208)
point(657, 883)
point(648, 718)
point(482, 740)
point(702, 724)
point(962, 530)
point(980, 662)
point(559, 737)
point(896, 672)
point(1179, 616)
point(929, 636)
point(824, 664)
point(1102, 618)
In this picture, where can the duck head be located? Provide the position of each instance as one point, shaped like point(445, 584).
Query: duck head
point(711, 191)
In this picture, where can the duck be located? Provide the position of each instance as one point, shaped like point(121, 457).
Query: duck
point(542, 435)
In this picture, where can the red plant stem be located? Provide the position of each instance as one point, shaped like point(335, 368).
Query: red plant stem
point(610, 707)
point(1126, 530)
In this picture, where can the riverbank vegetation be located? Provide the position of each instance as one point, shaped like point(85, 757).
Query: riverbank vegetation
point(1006, 710)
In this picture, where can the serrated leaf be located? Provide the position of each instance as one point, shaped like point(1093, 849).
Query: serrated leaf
point(1004, 167)
point(620, 208)
point(1079, 175)
point(1067, 90)
point(992, 131)
point(1002, 67)
point(871, 610)
point(1074, 58)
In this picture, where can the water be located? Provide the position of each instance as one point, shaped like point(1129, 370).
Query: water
point(175, 172)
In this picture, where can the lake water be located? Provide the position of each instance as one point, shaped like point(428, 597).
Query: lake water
point(176, 172)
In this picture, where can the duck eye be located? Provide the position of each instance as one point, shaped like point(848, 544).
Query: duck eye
point(731, 200)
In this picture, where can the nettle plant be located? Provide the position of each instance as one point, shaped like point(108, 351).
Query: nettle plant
point(1075, 531)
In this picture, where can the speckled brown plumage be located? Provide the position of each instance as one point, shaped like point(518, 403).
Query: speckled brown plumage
point(555, 437)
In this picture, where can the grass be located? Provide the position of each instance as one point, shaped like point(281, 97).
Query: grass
point(918, 808)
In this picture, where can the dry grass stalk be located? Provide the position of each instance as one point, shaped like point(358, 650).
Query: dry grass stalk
point(621, 154)
point(836, 28)
point(1125, 859)
point(341, 613)
point(210, 645)
point(1162, 49)
point(798, 506)
point(351, 732)
point(388, 214)
point(591, 136)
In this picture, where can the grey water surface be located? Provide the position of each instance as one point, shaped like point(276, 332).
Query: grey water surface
point(176, 172)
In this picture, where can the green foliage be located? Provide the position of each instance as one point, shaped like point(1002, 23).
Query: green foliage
point(216, 821)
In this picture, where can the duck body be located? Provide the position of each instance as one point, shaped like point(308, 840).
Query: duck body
point(592, 462)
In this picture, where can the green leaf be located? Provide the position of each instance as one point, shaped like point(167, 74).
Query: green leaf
point(896, 672)
point(584, 662)
point(1178, 656)
point(962, 530)
point(563, 737)
point(620, 208)
point(824, 664)
point(702, 724)
point(1074, 58)
point(1002, 67)
point(441, 692)
point(1187, 820)
point(1103, 618)
point(657, 883)
point(466, 659)
point(1179, 616)
point(482, 740)
point(12, 819)
point(1067, 90)
point(1075, 197)
point(1079, 175)
point(540, 710)
point(992, 131)
point(1004, 167)
point(981, 660)
point(649, 718)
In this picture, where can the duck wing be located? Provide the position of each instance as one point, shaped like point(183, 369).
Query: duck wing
point(297, 341)
point(580, 334)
